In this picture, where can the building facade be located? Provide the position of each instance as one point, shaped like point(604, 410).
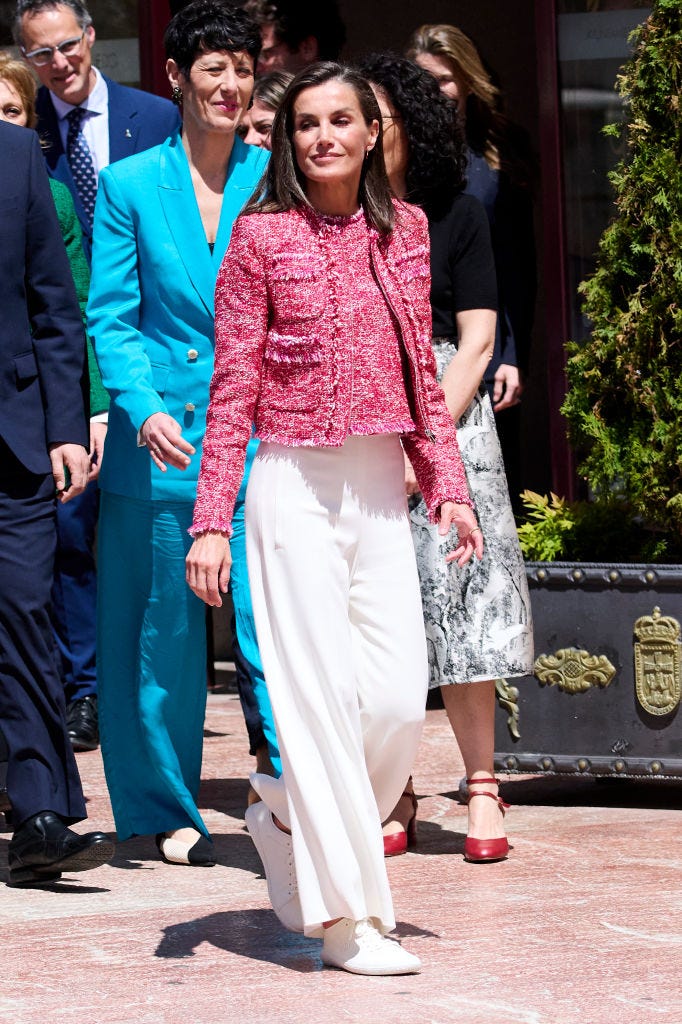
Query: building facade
point(557, 62)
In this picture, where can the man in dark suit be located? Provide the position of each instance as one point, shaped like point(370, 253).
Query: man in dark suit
point(85, 122)
point(110, 122)
point(43, 438)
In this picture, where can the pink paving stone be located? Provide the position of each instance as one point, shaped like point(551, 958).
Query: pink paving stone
point(582, 925)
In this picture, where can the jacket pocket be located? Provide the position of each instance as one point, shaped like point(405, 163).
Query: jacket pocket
point(160, 377)
point(291, 348)
point(414, 269)
point(25, 368)
point(292, 369)
point(298, 288)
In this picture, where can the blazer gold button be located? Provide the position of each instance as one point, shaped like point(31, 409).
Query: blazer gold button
point(192, 354)
point(190, 407)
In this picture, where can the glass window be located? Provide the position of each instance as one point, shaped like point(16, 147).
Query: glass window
point(117, 48)
point(593, 45)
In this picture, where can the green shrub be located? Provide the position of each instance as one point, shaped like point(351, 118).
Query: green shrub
point(583, 531)
point(624, 403)
point(543, 535)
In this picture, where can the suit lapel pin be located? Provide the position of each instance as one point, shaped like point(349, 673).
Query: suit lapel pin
point(128, 134)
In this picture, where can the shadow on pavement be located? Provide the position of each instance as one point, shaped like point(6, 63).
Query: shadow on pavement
point(256, 934)
point(433, 840)
point(225, 795)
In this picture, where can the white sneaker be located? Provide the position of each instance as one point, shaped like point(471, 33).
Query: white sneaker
point(358, 947)
point(277, 854)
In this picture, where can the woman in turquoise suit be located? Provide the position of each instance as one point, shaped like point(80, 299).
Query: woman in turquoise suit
point(162, 225)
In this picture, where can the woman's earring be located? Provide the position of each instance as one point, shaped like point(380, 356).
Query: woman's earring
point(176, 95)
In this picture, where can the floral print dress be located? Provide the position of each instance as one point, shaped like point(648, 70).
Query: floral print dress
point(478, 618)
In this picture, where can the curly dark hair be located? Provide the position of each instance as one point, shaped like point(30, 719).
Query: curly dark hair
point(435, 144)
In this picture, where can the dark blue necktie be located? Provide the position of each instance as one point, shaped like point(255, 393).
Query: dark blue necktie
point(80, 161)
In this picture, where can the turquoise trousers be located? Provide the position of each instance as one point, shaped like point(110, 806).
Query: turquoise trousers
point(151, 660)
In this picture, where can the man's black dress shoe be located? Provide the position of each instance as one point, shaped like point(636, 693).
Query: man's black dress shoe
point(43, 847)
point(82, 726)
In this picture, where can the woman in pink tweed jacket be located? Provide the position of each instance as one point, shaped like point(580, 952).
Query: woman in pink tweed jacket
point(323, 331)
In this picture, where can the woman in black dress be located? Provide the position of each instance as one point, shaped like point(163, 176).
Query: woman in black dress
point(499, 172)
point(478, 619)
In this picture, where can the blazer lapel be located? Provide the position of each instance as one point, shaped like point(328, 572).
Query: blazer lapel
point(48, 130)
point(123, 122)
point(53, 151)
point(242, 176)
point(180, 208)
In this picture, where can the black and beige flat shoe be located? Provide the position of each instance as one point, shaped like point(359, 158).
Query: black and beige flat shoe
point(175, 851)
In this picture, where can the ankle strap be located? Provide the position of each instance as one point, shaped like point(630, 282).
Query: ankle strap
point(476, 782)
point(493, 796)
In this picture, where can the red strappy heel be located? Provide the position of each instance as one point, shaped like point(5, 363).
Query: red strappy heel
point(479, 851)
point(398, 843)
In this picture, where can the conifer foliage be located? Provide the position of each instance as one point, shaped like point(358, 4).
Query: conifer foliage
point(624, 403)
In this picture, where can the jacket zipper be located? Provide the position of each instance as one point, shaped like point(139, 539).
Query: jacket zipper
point(415, 371)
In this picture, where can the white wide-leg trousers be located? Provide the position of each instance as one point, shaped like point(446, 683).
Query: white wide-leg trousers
point(338, 614)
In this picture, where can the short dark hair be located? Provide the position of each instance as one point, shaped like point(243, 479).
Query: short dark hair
point(80, 12)
point(295, 20)
point(205, 25)
point(436, 162)
point(282, 186)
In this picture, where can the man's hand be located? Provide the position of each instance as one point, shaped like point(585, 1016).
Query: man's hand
point(74, 459)
point(98, 433)
point(163, 436)
point(507, 388)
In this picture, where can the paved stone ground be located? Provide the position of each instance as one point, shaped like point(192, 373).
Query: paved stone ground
point(582, 925)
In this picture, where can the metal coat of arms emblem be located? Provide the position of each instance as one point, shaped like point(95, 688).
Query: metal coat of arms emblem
point(658, 663)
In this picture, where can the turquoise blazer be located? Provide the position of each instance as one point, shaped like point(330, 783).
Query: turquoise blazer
point(150, 311)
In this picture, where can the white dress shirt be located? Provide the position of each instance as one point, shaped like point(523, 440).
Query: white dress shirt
point(95, 125)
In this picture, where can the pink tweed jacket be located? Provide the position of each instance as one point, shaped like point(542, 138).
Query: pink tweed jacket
point(280, 362)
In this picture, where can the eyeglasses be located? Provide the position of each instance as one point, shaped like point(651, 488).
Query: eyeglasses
point(45, 55)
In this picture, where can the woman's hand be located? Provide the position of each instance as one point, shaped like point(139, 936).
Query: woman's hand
point(207, 567)
point(98, 434)
point(469, 532)
point(507, 388)
point(163, 436)
point(411, 485)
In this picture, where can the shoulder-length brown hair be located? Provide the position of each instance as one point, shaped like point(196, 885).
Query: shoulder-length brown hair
point(282, 187)
point(458, 50)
